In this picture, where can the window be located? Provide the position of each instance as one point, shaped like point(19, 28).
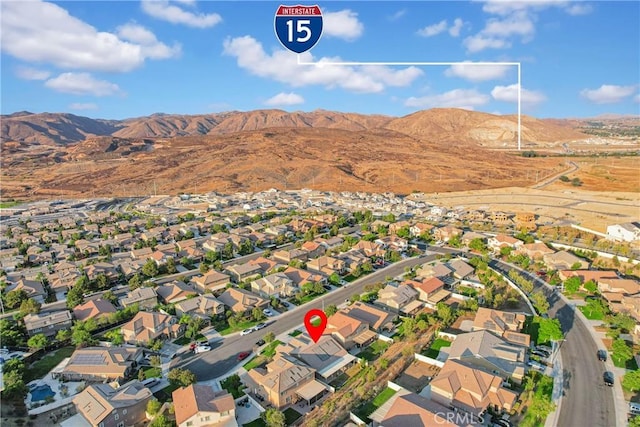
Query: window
point(189, 423)
point(117, 417)
point(101, 425)
point(124, 412)
point(120, 424)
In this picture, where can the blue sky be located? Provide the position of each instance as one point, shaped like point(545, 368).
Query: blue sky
point(122, 59)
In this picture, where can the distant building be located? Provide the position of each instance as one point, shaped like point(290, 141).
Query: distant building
point(627, 232)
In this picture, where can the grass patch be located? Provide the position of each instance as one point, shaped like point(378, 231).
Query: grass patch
point(531, 327)
point(339, 381)
point(151, 372)
point(305, 299)
point(270, 349)
point(535, 417)
point(258, 422)
point(245, 324)
point(434, 348)
point(369, 408)
point(233, 385)
point(374, 351)
point(620, 363)
point(165, 394)
point(42, 367)
point(183, 340)
point(265, 356)
point(291, 415)
point(255, 362)
point(295, 333)
point(593, 310)
point(7, 205)
point(467, 291)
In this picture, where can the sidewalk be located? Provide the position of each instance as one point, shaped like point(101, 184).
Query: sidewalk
point(558, 391)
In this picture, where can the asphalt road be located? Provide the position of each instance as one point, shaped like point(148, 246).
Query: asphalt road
point(224, 352)
point(586, 400)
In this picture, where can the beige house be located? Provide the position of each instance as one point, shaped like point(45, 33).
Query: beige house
point(285, 381)
point(47, 324)
point(430, 291)
point(620, 286)
point(205, 306)
point(241, 272)
point(276, 285)
point(211, 281)
point(241, 301)
point(145, 297)
point(288, 256)
point(563, 260)
point(94, 309)
point(470, 390)
point(349, 331)
point(534, 250)
point(201, 406)
point(266, 265)
point(376, 318)
point(406, 409)
point(504, 324)
point(399, 298)
point(146, 326)
point(175, 292)
point(503, 241)
point(301, 277)
point(327, 265)
point(100, 363)
point(101, 405)
point(327, 356)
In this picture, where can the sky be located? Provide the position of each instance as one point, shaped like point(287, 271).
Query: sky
point(121, 59)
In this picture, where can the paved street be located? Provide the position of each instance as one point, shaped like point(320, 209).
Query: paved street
point(587, 401)
point(223, 356)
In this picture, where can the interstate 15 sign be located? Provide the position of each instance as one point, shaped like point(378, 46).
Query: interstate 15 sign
point(298, 27)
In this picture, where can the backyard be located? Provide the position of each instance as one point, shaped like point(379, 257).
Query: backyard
point(41, 367)
point(370, 407)
point(265, 356)
point(434, 349)
point(233, 385)
point(372, 352)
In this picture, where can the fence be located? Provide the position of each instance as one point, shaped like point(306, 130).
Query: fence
point(428, 360)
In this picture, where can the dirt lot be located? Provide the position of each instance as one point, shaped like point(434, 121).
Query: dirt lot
point(605, 174)
point(417, 376)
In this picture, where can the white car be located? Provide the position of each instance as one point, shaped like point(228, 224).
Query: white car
point(246, 331)
point(202, 349)
point(267, 312)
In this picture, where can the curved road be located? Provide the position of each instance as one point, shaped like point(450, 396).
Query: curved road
point(224, 352)
point(586, 400)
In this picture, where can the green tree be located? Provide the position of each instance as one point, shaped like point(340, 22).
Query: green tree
point(171, 266)
point(408, 328)
point(621, 351)
point(13, 299)
point(274, 418)
point(631, 380)
point(181, 377)
point(257, 314)
point(318, 288)
point(161, 421)
point(572, 284)
point(330, 310)
point(445, 313)
point(81, 337)
point(29, 306)
point(540, 302)
point(478, 244)
point(155, 361)
point(269, 337)
point(14, 386)
point(10, 334)
point(63, 335)
point(635, 421)
point(150, 269)
point(549, 330)
point(590, 286)
point(153, 406)
point(115, 336)
point(334, 279)
point(136, 281)
point(37, 342)
point(576, 266)
point(211, 256)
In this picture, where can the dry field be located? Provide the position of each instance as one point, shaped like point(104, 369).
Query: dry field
point(605, 174)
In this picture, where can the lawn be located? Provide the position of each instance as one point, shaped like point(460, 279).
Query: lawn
point(593, 311)
point(467, 291)
point(543, 392)
point(7, 205)
point(258, 422)
point(270, 350)
point(291, 415)
point(295, 333)
point(183, 340)
point(239, 327)
point(305, 299)
point(166, 393)
point(620, 363)
point(42, 367)
point(372, 352)
point(265, 356)
point(151, 372)
point(435, 347)
point(531, 327)
point(369, 408)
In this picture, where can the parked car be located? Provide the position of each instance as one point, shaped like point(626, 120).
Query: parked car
point(260, 342)
point(267, 312)
point(544, 348)
point(343, 282)
point(243, 355)
point(202, 349)
point(246, 332)
point(608, 378)
point(151, 382)
point(260, 326)
point(326, 287)
point(602, 355)
point(540, 353)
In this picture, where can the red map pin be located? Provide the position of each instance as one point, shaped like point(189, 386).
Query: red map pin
point(315, 329)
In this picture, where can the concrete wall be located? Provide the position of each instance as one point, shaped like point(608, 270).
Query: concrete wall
point(428, 360)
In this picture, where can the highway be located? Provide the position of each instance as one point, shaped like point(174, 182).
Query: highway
point(223, 356)
point(586, 400)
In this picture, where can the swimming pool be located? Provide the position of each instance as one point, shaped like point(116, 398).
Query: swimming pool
point(41, 392)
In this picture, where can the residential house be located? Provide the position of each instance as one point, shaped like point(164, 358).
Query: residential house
point(487, 351)
point(200, 406)
point(327, 265)
point(441, 271)
point(145, 297)
point(327, 357)
point(33, 288)
point(302, 277)
point(61, 281)
point(274, 285)
point(290, 255)
point(147, 326)
point(406, 409)
point(619, 286)
point(211, 281)
point(468, 236)
point(399, 298)
point(526, 221)
point(47, 324)
point(331, 243)
point(626, 232)
point(353, 260)
point(420, 228)
point(174, 292)
point(242, 272)
point(241, 301)
point(588, 275)
point(369, 249)
point(393, 242)
point(446, 233)
point(631, 304)
point(470, 390)
point(349, 331)
point(504, 324)
point(461, 270)
point(105, 268)
point(397, 226)
point(500, 241)
point(314, 249)
point(97, 309)
point(377, 319)
point(266, 265)
point(99, 364)
point(102, 405)
point(285, 381)
point(563, 260)
point(204, 306)
point(534, 250)
point(501, 219)
point(430, 291)
point(141, 254)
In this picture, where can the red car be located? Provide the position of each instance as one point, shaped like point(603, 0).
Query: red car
point(243, 355)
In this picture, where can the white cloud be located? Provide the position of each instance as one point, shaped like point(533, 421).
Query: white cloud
point(477, 73)
point(434, 29)
point(519, 24)
point(163, 10)
point(399, 14)
point(479, 42)
point(28, 73)
point(82, 84)
point(467, 99)
point(44, 32)
point(579, 9)
point(343, 24)
point(284, 99)
point(510, 94)
point(83, 106)
point(454, 30)
point(282, 66)
point(608, 94)
point(506, 7)
point(636, 98)
point(149, 44)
